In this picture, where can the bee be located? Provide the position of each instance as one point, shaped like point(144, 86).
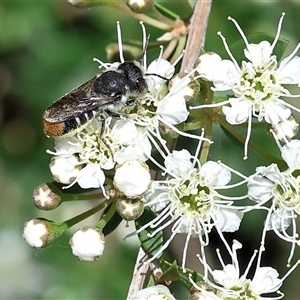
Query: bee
point(107, 92)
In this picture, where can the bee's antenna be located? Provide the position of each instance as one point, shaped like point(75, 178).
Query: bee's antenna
point(120, 42)
point(145, 45)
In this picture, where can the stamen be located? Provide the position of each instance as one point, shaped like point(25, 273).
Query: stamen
point(184, 253)
point(250, 263)
point(195, 157)
point(248, 135)
point(215, 104)
point(278, 31)
point(192, 136)
point(120, 42)
point(145, 43)
point(242, 34)
point(101, 63)
point(229, 52)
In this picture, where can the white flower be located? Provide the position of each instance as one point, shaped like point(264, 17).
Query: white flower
point(189, 197)
point(235, 286)
point(283, 189)
point(132, 178)
point(87, 244)
point(157, 292)
point(81, 158)
point(257, 84)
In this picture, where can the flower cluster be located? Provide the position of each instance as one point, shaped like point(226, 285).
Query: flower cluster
point(123, 153)
point(258, 84)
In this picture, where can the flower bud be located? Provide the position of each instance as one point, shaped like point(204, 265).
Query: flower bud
point(130, 209)
point(39, 233)
point(206, 65)
point(64, 169)
point(45, 198)
point(286, 129)
point(87, 244)
point(184, 86)
point(132, 178)
point(140, 6)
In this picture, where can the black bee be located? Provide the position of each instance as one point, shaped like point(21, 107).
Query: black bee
point(106, 92)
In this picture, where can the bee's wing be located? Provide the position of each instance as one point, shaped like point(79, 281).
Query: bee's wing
point(75, 103)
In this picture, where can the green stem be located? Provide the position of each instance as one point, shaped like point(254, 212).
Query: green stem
point(71, 222)
point(105, 218)
point(124, 8)
point(74, 197)
point(166, 11)
point(206, 145)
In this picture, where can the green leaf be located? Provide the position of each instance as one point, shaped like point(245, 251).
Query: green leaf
point(113, 223)
point(237, 48)
point(151, 245)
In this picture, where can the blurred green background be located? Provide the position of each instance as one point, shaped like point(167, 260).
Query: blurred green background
point(46, 49)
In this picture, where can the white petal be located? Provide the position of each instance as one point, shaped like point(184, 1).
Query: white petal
point(124, 132)
point(289, 73)
point(280, 220)
point(238, 113)
point(226, 277)
point(160, 67)
point(291, 154)
point(225, 75)
point(67, 145)
point(265, 280)
point(259, 54)
point(260, 188)
point(228, 220)
point(179, 163)
point(276, 112)
point(173, 109)
point(91, 176)
point(215, 174)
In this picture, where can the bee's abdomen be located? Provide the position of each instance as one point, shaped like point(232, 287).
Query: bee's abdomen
point(67, 127)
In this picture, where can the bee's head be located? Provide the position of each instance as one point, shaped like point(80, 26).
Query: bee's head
point(134, 77)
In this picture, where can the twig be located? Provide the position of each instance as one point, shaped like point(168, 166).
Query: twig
point(139, 274)
point(197, 33)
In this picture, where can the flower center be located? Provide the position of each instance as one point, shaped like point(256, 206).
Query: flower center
point(194, 196)
point(288, 196)
point(242, 293)
point(141, 109)
point(96, 149)
point(258, 84)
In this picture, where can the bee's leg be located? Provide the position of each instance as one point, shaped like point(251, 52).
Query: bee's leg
point(101, 119)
